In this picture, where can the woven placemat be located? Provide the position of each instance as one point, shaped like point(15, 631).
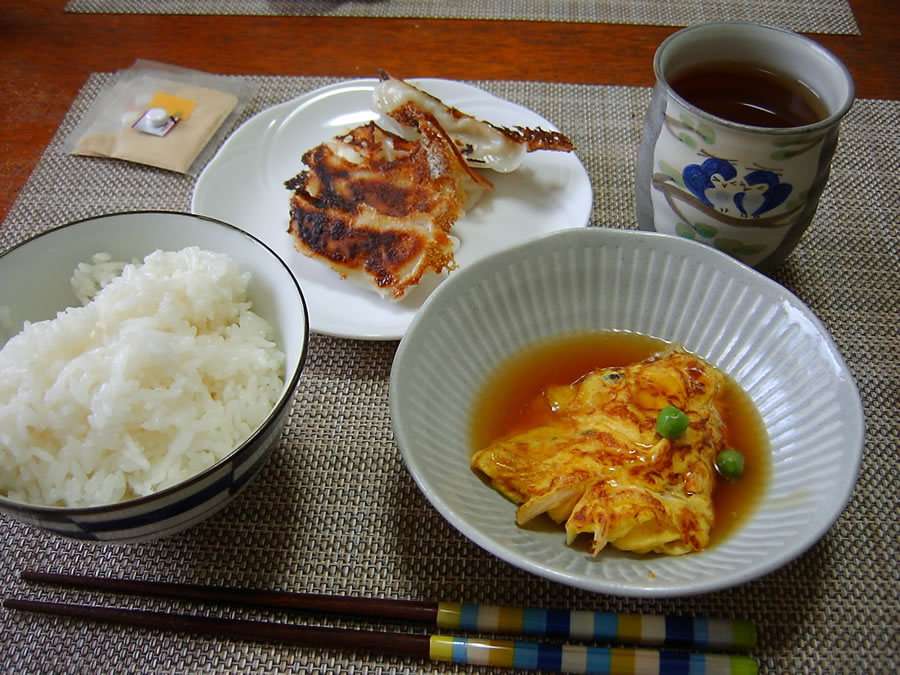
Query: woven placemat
point(335, 510)
point(808, 16)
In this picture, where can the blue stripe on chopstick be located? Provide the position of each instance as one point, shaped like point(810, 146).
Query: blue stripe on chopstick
point(598, 661)
point(468, 617)
point(606, 626)
point(460, 651)
point(534, 622)
point(549, 656)
point(674, 663)
point(701, 632)
point(558, 622)
point(679, 630)
point(526, 656)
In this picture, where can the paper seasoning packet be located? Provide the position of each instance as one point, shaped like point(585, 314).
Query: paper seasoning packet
point(162, 115)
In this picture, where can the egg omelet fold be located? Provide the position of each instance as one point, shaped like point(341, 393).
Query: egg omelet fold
point(601, 467)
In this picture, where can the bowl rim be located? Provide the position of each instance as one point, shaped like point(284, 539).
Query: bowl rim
point(694, 250)
point(284, 399)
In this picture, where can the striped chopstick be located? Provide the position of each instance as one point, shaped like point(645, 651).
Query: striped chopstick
point(633, 629)
point(470, 651)
point(638, 629)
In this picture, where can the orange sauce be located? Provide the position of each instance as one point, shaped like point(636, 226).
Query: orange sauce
point(512, 401)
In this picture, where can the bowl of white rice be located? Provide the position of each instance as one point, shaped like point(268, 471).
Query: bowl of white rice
point(148, 363)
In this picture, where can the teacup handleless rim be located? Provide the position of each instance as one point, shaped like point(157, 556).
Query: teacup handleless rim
point(826, 55)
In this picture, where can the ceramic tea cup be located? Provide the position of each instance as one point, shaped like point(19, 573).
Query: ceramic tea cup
point(739, 137)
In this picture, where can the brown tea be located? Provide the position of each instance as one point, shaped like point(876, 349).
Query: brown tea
point(748, 94)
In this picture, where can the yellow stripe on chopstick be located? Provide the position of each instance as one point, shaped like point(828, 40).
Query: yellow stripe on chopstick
point(629, 628)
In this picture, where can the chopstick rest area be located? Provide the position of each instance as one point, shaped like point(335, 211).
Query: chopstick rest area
point(642, 631)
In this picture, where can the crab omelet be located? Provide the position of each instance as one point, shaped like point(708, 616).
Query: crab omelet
point(602, 468)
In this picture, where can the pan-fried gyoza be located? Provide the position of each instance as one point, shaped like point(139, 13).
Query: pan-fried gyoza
point(378, 207)
point(483, 144)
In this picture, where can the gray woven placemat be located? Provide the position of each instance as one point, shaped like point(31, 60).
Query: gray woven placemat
point(809, 16)
point(336, 511)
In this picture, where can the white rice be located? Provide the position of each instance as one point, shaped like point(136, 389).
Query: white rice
point(161, 374)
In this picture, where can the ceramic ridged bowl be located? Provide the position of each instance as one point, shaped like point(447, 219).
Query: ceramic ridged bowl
point(34, 285)
point(597, 279)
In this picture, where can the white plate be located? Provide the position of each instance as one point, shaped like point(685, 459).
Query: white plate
point(244, 185)
point(601, 279)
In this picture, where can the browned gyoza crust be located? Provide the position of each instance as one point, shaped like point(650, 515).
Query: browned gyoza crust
point(375, 205)
point(378, 208)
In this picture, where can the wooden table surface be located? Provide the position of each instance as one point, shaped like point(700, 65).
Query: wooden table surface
point(46, 55)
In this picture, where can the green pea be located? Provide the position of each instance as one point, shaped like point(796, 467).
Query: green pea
point(671, 422)
point(730, 463)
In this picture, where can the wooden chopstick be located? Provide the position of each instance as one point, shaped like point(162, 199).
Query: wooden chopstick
point(636, 629)
point(401, 644)
point(406, 610)
point(476, 651)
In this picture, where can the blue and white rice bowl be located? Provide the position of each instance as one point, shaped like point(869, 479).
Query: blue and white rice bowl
point(35, 285)
point(598, 279)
